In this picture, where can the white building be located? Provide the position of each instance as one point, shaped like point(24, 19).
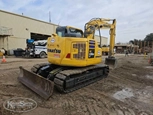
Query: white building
point(15, 29)
point(104, 40)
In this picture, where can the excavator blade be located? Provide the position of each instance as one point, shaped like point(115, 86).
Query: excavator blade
point(111, 62)
point(36, 83)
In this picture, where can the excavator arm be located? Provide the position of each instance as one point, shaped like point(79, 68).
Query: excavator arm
point(98, 24)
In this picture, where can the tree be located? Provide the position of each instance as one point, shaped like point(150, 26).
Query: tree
point(131, 41)
point(148, 40)
point(135, 41)
point(149, 37)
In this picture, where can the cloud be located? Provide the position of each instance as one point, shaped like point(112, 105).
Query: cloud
point(134, 18)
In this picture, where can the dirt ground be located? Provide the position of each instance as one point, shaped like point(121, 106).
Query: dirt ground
point(128, 90)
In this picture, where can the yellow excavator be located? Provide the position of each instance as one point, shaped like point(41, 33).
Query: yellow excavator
point(74, 59)
point(105, 50)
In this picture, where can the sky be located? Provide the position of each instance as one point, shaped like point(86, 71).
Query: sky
point(134, 17)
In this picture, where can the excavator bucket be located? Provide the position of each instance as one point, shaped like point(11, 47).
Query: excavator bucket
point(36, 83)
point(111, 62)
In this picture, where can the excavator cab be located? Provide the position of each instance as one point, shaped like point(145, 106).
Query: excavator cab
point(67, 31)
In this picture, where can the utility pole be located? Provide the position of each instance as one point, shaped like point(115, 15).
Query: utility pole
point(141, 46)
point(152, 47)
point(49, 17)
point(137, 47)
point(134, 46)
point(144, 43)
point(144, 46)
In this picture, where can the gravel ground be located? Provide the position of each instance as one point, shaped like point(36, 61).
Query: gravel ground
point(128, 90)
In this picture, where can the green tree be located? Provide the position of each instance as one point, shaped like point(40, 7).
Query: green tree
point(131, 41)
point(149, 37)
point(135, 41)
point(147, 40)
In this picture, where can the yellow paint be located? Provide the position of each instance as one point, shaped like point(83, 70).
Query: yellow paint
point(78, 49)
point(1, 54)
point(145, 55)
point(105, 50)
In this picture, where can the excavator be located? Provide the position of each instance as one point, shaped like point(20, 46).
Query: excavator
point(74, 59)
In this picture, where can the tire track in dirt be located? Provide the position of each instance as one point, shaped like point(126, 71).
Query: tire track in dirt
point(95, 99)
point(135, 76)
point(91, 102)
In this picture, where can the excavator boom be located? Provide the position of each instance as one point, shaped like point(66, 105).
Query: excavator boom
point(98, 24)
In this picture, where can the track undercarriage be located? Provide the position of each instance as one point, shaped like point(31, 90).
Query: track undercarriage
point(65, 79)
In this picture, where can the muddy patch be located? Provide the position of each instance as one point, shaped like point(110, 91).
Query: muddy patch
point(149, 77)
point(149, 67)
point(123, 94)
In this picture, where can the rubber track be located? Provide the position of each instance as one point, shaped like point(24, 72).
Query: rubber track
point(36, 67)
point(64, 74)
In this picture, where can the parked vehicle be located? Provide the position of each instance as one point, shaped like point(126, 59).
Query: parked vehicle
point(36, 48)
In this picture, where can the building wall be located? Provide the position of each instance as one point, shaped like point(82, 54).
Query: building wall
point(22, 26)
point(104, 40)
point(4, 42)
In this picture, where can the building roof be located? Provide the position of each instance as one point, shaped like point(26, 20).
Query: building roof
point(27, 17)
point(101, 36)
point(125, 44)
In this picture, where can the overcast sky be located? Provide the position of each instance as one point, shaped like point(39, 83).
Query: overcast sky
point(134, 17)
